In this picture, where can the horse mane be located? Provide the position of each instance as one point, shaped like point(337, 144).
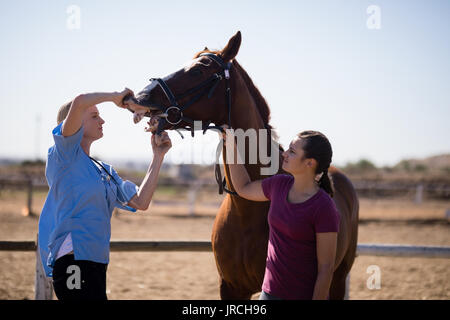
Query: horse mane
point(260, 101)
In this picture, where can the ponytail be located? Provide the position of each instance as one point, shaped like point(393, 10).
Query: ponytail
point(326, 184)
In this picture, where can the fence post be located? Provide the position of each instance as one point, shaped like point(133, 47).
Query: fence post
point(43, 288)
point(347, 287)
point(419, 194)
point(192, 196)
point(27, 211)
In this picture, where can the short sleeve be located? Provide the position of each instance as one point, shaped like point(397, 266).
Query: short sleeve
point(326, 217)
point(125, 191)
point(67, 147)
point(273, 183)
point(266, 185)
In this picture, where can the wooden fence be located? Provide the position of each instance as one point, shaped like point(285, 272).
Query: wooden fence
point(44, 289)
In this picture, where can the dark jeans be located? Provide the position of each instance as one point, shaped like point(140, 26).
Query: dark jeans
point(79, 279)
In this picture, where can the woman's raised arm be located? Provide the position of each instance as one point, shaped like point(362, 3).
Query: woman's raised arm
point(79, 105)
point(250, 190)
point(160, 145)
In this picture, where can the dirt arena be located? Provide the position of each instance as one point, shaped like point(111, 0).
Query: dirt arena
point(185, 275)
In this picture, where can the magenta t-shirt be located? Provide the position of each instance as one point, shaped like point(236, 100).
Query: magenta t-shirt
point(291, 264)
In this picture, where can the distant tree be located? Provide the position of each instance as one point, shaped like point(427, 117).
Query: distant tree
point(362, 165)
point(404, 165)
point(32, 163)
point(365, 165)
point(420, 168)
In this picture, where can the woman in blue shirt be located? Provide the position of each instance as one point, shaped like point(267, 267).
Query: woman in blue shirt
point(75, 222)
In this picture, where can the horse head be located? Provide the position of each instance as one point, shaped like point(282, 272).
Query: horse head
point(187, 95)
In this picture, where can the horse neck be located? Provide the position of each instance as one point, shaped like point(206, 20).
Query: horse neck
point(245, 115)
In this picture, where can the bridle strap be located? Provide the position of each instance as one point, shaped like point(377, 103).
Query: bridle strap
point(214, 79)
point(170, 96)
point(226, 70)
point(217, 59)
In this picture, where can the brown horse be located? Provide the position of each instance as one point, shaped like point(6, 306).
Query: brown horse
point(240, 232)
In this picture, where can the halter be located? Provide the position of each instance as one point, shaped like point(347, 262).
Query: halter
point(173, 114)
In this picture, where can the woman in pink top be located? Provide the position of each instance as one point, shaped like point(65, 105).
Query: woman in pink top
point(303, 219)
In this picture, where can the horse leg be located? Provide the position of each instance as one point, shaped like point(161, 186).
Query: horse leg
point(228, 292)
point(338, 284)
point(337, 288)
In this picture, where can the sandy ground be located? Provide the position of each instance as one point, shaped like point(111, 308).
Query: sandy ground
point(186, 275)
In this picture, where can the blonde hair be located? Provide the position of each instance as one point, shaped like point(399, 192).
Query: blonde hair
point(63, 112)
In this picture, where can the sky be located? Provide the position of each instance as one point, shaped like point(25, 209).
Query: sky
point(374, 80)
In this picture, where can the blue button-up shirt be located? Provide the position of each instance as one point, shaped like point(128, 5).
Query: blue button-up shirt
point(80, 201)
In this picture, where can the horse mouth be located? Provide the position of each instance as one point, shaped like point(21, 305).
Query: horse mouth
point(141, 110)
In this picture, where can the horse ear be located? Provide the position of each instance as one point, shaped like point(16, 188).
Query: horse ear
point(231, 49)
point(206, 49)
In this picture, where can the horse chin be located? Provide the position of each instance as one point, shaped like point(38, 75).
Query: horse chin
point(153, 122)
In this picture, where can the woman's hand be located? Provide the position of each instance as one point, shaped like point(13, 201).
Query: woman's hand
point(161, 144)
point(223, 134)
point(118, 97)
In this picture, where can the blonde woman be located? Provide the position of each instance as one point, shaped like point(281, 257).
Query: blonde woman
point(74, 226)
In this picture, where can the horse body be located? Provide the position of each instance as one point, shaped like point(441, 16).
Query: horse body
point(240, 233)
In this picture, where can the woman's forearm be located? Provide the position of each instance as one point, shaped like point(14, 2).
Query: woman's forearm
point(323, 283)
point(148, 185)
point(79, 105)
point(84, 101)
point(239, 176)
point(238, 172)
point(240, 179)
point(87, 100)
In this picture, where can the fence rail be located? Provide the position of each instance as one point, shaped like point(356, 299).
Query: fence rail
point(363, 249)
point(43, 285)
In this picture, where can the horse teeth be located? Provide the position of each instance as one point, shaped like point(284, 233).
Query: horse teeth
point(153, 124)
point(138, 115)
point(151, 128)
